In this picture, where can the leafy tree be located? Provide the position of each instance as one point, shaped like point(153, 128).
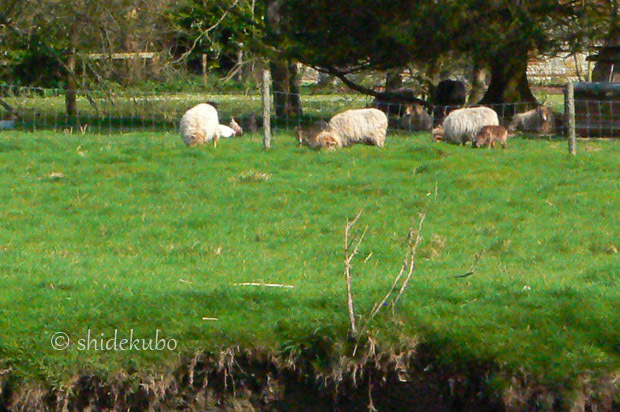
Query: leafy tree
point(45, 38)
point(343, 37)
point(209, 28)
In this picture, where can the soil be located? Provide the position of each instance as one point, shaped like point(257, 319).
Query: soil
point(236, 380)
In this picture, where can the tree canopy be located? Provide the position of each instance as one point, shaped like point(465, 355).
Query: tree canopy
point(347, 36)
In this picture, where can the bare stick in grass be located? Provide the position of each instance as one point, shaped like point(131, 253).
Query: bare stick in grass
point(408, 261)
point(413, 241)
point(266, 285)
point(414, 250)
point(348, 257)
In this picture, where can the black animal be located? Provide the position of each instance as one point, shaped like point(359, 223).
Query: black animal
point(393, 103)
point(449, 95)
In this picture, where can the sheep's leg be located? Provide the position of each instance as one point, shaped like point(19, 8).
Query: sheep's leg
point(215, 141)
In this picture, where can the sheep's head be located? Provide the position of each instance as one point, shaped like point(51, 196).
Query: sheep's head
point(480, 140)
point(307, 135)
point(299, 134)
point(438, 133)
point(235, 126)
point(325, 139)
point(544, 113)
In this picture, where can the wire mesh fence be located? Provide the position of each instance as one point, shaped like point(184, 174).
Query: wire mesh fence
point(28, 108)
point(402, 117)
point(114, 111)
point(597, 118)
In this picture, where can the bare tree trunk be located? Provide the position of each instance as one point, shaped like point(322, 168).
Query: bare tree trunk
point(509, 82)
point(478, 86)
point(294, 83)
point(284, 73)
point(240, 63)
point(71, 89)
point(204, 68)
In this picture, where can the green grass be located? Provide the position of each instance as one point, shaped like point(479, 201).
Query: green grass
point(136, 231)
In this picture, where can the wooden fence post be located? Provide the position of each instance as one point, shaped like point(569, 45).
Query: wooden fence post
point(570, 109)
point(266, 108)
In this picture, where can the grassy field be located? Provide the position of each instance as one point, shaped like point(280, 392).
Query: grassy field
point(136, 231)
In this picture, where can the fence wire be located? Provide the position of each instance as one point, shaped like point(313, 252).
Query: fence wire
point(597, 118)
point(112, 112)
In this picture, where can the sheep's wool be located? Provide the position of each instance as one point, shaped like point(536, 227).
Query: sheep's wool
point(199, 124)
point(463, 124)
point(225, 131)
point(358, 126)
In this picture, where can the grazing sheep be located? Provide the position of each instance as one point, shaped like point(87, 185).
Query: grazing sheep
point(463, 124)
point(199, 125)
point(226, 131)
point(539, 120)
point(368, 126)
point(488, 135)
point(415, 118)
point(306, 135)
point(236, 127)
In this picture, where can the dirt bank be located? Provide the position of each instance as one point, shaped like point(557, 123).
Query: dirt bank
point(236, 380)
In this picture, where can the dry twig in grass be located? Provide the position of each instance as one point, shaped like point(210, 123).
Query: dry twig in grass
point(266, 285)
point(414, 239)
point(348, 257)
point(408, 262)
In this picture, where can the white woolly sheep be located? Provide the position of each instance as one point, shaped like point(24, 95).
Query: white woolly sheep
point(199, 125)
point(226, 131)
point(539, 120)
point(462, 125)
point(368, 126)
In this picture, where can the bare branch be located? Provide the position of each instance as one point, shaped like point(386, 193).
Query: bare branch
point(414, 250)
point(205, 32)
point(408, 261)
point(347, 266)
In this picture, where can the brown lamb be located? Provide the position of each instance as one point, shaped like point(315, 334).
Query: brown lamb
point(488, 135)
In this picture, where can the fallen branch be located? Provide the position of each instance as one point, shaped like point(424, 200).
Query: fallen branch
point(413, 241)
point(408, 261)
point(266, 285)
point(347, 266)
point(414, 250)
